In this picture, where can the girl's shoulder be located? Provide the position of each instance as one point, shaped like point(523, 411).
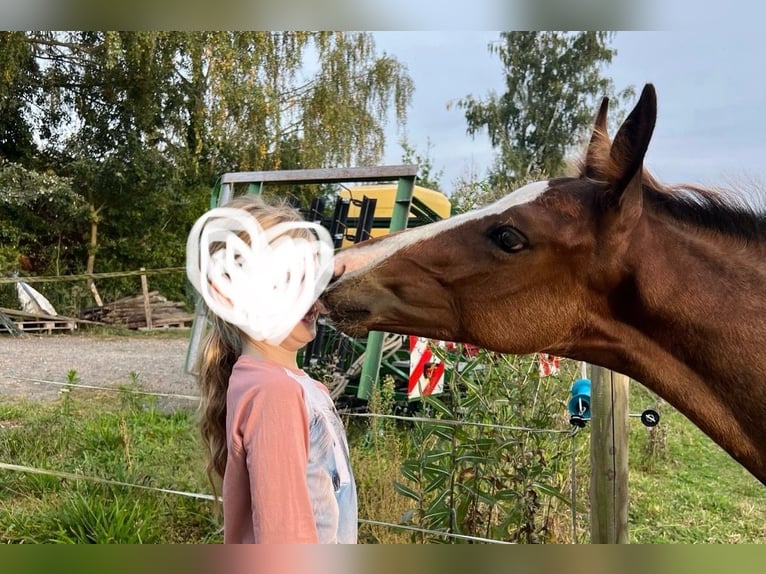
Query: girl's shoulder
point(253, 376)
point(253, 365)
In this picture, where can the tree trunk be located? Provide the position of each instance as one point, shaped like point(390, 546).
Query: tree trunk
point(92, 248)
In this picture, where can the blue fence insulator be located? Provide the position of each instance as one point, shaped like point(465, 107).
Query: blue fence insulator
point(579, 403)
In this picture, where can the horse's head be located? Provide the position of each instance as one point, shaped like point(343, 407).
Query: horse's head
point(516, 276)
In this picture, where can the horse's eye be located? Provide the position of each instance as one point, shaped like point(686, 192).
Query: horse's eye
point(509, 239)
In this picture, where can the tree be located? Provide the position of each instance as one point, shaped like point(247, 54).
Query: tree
point(217, 101)
point(554, 81)
point(41, 220)
point(18, 70)
point(428, 176)
point(470, 191)
point(143, 122)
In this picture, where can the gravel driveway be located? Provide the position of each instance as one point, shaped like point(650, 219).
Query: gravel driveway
point(27, 361)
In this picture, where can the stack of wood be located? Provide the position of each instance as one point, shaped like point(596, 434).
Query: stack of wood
point(150, 311)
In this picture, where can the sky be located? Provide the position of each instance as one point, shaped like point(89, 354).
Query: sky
point(711, 90)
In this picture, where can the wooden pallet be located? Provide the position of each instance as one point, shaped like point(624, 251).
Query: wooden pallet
point(183, 323)
point(42, 326)
point(31, 323)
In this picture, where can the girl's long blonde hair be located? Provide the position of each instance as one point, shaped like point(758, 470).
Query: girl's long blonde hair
point(222, 347)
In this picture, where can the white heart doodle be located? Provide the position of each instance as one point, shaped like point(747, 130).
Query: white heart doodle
point(262, 281)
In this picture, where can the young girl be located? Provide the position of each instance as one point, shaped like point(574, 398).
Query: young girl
point(272, 433)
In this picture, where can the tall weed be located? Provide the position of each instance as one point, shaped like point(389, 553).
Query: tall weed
point(469, 474)
point(100, 515)
point(377, 453)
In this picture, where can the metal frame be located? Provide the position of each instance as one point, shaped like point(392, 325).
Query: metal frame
point(405, 174)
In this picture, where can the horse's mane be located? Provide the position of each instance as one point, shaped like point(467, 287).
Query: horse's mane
point(737, 212)
point(730, 212)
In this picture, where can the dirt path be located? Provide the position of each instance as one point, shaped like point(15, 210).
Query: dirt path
point(101, 361)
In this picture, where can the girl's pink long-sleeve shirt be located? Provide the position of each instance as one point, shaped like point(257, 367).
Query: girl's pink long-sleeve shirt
point(288, 478)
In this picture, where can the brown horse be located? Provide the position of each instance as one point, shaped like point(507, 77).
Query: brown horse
point(664, 284)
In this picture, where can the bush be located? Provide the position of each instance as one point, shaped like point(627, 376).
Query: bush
point(470, 474)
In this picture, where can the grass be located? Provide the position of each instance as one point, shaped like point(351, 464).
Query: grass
point(683, 488)
point(376, 458)
point(116, 437)
point(690, 490)
point(378, 450)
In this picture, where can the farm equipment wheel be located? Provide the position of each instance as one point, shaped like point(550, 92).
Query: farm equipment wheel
point(391, 345)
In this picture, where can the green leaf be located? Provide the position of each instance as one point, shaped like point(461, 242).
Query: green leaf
point(431, 471)
point(439, 406)
point(444, 432)
point(435, 483)
point(410, 472)
point(554, 492)
point(507, 494)
point(434, 456)
point(476, 458)
point(406, 491)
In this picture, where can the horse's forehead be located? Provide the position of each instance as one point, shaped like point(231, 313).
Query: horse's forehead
point(523, 195)
point(526, 194)
point(366, 255)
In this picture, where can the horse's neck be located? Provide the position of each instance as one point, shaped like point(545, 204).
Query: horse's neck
point(690, 324)
point(698, 293)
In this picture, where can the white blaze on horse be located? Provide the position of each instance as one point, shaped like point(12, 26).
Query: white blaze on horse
point(664, 284)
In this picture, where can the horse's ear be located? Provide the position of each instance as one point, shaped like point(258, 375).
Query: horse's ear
point(626, 156)
point(597, 153)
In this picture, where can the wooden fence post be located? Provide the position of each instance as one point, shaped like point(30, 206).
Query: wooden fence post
point(609, 457)
point(147, 304)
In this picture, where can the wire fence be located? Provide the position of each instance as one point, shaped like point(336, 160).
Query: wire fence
point(91, 276)
point(192, 399)
point(210, 497)
point(85, 298)
point(7, 466)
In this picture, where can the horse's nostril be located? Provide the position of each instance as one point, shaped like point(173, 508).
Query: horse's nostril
point(338, 271)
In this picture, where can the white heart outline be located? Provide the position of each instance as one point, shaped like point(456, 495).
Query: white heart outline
point(264, 288)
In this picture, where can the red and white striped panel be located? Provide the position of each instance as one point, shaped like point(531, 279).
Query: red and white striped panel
point(549, 365)
point(424, 383)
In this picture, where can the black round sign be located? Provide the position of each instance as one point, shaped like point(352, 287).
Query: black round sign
point(650, 418)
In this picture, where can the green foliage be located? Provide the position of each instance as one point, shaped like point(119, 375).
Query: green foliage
point(142, 123)
point(18, 86)
point(470, 193)
point(554, 82)
point(382, 402)
point(378, 448)
point(93, 515)
point(43, 217)
point(120, 437)
point(428, 175)
point(66, 394)
point(222, 101)
point(469, 474)
point(469, 479)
